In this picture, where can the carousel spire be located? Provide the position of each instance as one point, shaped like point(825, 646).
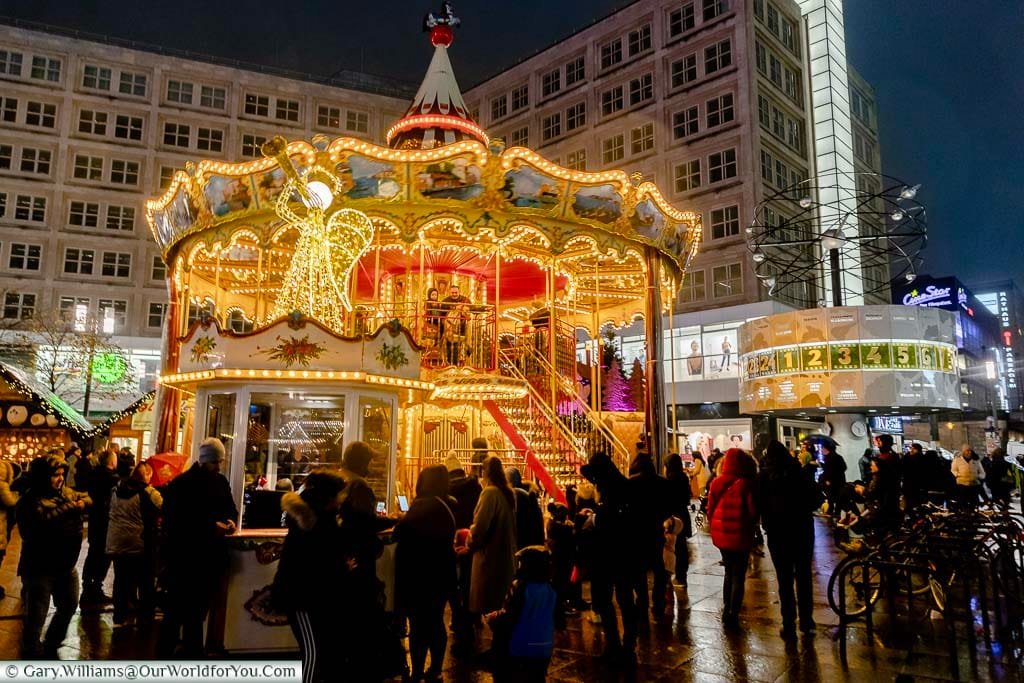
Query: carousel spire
point(438, 115)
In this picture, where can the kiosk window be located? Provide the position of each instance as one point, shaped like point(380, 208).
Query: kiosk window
point(288, 435)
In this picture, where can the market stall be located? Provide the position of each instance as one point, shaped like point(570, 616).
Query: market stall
point(33, 419)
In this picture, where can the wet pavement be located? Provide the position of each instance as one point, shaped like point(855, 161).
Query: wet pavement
point(689, 645)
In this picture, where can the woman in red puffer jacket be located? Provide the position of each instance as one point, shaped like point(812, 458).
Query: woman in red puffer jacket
point(732, 511)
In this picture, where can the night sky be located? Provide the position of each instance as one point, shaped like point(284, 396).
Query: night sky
point(947, 74)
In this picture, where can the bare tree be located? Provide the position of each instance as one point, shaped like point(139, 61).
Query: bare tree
point(76, 359)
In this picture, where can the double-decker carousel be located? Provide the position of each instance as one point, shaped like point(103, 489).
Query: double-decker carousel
point(412, 297)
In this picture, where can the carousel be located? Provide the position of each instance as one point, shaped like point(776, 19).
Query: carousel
point(413, 297)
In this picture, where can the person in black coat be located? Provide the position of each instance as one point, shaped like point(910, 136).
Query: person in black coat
point(425, 569)
point(529, 518)
point(833, 477)
point(650, 506)
point(465, 489)
point(614, 560)
point(199, 512)
point(102, 481)
point(788, 497)
point(916, 476)
point(679, 506)
point(308, 586)
point(362, 644)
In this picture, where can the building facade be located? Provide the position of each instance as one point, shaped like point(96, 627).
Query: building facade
point(90, 130)
point(1006, 301)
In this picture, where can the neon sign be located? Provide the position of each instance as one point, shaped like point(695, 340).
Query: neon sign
point(931, 296)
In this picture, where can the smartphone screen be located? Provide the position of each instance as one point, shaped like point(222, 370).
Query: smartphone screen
point(380, 507)
point(403, 503)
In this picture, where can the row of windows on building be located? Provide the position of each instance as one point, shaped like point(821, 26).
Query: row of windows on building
point(686, 123)
point(613, 52)
point(778, 70)
point(726, 281)
point(24, 305)
point(779, 25)
point(28, 257)
point(716, 167)
point(785, 127)
point(39, 162)
point(81, 213)
point(863, 149)
point(781, 175)
point(640, 90)
point(109, 79)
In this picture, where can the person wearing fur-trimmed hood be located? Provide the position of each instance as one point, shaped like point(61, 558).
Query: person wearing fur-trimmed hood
point(50, 522)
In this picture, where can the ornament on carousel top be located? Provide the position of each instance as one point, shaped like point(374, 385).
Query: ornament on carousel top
point(438, 115)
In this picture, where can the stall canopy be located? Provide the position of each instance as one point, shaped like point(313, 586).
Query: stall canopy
point(142, 403)
point(47, 401)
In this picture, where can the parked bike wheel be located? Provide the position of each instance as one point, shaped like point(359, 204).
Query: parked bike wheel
point(861, 583)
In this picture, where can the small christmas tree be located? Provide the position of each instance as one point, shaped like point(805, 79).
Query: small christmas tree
point(616, 392)
point(637, 382)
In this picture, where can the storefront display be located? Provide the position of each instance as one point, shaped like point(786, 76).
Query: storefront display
point(703, 436)
point(703, 352)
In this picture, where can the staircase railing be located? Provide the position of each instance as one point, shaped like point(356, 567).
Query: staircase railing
point(565, 448)
point(593, 434)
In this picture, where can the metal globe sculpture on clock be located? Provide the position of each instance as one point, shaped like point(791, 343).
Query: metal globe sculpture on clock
point(828, 237)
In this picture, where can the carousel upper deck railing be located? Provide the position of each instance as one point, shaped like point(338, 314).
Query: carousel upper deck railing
point(452, 334)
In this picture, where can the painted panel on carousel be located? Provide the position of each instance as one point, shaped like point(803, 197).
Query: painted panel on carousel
point(179, 215)
point(526, 187)
point(649, 222)
point(228, 195)
point(601, 203)
point(365, 178)
point(391, 352)
point(278, 347)
point(457, 178)
point(269, 186)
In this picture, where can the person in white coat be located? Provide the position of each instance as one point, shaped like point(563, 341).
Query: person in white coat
point(969, 473)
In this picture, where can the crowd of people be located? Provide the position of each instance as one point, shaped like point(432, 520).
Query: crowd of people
point(475, 539)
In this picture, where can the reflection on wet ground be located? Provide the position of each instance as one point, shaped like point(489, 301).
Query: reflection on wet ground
point(689, 645)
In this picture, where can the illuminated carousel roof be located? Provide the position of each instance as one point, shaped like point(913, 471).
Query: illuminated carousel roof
point(438, 115)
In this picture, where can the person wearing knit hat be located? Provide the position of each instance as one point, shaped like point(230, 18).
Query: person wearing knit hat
point(199, 512)
point(452, 463)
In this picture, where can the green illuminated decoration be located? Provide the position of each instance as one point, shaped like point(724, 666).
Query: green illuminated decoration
point(108, 368)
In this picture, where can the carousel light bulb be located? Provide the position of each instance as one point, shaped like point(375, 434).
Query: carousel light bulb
point(898, 215)
point(805, 202)
point(320, 195)
point(758, 257)
point(910, 277)
point(909, 192)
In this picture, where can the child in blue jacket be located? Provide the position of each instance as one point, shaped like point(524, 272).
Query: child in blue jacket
point(524, 628)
